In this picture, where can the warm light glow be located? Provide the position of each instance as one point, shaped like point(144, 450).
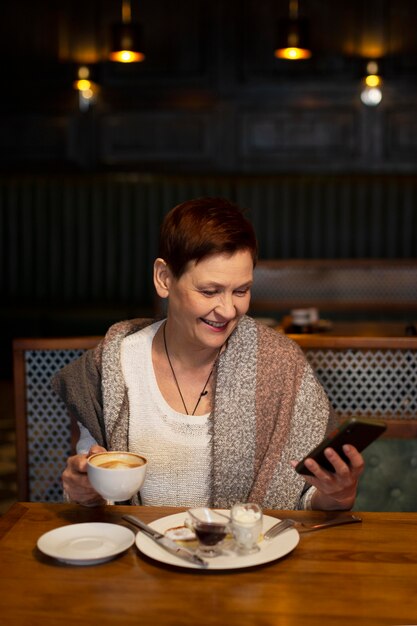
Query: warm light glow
point(83, 72)
point(87, 89)
point(371, 48)
point(88, 94)
point(126, 11)
point(127, 56)
point(293, 9)
point(371, 94)
point(126, 36)
point(82, 85)
point(293, 36)
point(372, 67)
point(373, 80)
point(292, 54)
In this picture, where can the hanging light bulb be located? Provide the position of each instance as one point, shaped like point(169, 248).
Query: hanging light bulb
point(293, 40)
point(126, 38)
point(371, 94)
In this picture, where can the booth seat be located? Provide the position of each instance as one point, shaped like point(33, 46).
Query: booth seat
point(375, 378)
point(390, 480)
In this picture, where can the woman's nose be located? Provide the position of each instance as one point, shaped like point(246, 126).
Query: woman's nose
point(226, 307)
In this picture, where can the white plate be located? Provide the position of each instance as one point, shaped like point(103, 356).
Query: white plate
point(269, 550)
point(86, 544)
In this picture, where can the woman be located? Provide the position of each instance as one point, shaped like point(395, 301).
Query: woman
point(221, 405)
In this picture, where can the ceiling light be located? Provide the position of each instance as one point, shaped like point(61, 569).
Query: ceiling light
point(126, 38)
point(293, 38)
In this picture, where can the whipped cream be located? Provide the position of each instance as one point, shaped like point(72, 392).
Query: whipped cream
point(241, 515)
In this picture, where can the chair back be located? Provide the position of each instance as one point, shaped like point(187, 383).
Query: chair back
point(45, 435)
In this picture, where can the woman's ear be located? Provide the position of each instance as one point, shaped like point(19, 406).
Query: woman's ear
point(162, 278)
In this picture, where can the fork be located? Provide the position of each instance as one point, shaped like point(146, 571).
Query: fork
point(284, 524)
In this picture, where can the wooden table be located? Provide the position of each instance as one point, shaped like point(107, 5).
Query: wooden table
point(357, 574)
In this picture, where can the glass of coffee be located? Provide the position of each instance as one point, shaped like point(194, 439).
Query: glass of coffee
point(210, 528)
point(116, 475)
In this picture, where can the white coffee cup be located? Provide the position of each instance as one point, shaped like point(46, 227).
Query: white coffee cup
point(116, 475)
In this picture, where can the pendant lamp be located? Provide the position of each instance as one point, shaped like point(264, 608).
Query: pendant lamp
point(293, 36)
point(126, 37)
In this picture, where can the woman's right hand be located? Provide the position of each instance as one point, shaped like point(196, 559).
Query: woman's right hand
point(75, 481)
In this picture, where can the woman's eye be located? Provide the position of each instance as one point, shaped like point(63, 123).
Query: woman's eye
point(209, 293)
point(242, 292)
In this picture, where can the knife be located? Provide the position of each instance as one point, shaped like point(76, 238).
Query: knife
point(166, 543)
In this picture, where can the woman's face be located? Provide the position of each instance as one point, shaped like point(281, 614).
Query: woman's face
point(207, 301)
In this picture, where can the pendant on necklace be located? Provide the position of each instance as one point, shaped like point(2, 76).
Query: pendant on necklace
point(203, 392)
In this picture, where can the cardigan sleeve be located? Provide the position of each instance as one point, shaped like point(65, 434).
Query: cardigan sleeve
point(78, 384)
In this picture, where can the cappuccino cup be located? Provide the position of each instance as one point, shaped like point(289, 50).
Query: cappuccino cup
point(116, 475)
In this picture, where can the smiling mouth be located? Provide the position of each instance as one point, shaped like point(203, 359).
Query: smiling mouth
point(214, 324)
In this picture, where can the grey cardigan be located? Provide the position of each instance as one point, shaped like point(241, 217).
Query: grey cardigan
point(269, 408)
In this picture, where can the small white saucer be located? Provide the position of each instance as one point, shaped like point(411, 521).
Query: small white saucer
point(86, 544)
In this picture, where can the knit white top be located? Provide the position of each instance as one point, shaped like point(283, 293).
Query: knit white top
point(177, 446)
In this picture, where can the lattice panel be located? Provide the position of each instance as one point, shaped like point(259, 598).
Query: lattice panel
point(362, 382)
point(368, 382)
point(48, 424)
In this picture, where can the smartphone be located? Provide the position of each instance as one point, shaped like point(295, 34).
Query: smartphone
point(355, 431)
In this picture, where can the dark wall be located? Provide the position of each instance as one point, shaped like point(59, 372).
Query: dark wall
point(210, 112)
point(210, 96)
point(74, 242)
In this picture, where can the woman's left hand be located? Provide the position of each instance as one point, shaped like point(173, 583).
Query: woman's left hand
point(335, 490)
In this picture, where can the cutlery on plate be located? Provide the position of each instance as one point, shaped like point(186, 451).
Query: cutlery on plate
point(165, 542)
point(278, 528)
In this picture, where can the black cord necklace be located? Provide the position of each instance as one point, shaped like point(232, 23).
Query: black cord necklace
point(203, 392)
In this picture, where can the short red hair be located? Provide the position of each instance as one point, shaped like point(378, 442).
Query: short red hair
point(199, 228)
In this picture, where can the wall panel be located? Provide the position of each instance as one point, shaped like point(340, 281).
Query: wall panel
point(168, 136)
point(91, 241)
point(284, 135)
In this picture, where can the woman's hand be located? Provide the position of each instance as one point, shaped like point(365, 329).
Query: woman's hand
point(75, 480)
point(335, 490)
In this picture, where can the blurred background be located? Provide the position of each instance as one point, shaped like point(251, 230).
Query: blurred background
point(322, 150)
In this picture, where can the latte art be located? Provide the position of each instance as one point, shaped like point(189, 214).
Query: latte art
point(116, 475)
point(118, 463)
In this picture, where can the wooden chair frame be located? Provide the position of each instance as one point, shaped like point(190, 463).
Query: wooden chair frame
point(20, 347)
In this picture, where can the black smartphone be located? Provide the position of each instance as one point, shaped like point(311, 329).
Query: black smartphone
point(355, 431)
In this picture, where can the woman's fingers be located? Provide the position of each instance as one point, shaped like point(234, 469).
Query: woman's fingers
point(76, 484)
point(338, 487)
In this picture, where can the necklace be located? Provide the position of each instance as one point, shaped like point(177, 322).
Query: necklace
point(203, 391)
